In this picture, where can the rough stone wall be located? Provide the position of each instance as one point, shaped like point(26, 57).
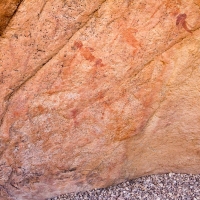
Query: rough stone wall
point(96, 92)
point(7, 11)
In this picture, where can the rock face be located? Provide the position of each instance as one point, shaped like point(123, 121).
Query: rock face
point(96, 92)
point(7, 11)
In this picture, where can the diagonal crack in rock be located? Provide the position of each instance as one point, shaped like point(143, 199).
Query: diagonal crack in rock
point(17, 88)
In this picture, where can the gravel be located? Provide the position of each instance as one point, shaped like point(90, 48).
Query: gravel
point(155, 187)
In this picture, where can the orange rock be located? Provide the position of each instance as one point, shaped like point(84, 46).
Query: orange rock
point(7, 11)
point(96, 93)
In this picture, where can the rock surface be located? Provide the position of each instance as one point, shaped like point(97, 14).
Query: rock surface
point(96, 92)
point(7, 11)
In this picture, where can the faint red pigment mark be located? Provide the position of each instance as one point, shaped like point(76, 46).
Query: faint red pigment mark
point(86, 53)
point(20, 107)
point(181, 21)
point(98, 63)
point(129, 38)
point(78, 44)
point(39, 109)
point(90, 48)
point(94, 71)
point(74, 113)
point(100, 96)
point(127, 34)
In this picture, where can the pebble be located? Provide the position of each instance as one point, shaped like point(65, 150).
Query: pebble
point(154, 187)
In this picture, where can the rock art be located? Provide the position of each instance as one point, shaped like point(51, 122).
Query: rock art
point(96, 92)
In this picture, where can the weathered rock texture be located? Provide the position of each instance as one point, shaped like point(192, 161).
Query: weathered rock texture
point(96, 92)
point(7, 11)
